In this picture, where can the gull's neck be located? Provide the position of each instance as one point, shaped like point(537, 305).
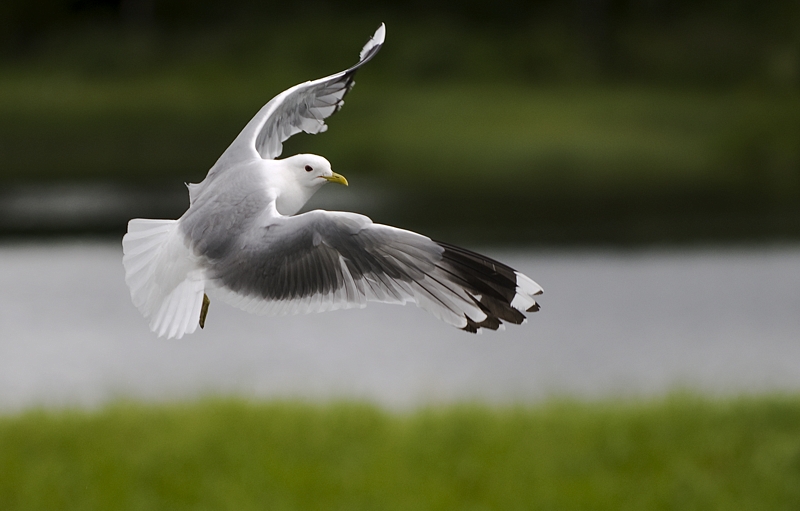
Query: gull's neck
point(290, 195)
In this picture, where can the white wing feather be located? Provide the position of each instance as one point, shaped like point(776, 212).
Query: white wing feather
point(303, 107)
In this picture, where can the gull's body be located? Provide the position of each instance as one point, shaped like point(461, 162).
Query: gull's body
point(242, 241)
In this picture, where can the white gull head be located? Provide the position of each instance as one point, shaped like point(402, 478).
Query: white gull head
point(294, 180)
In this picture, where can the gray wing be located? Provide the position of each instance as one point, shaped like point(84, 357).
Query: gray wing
point(323, 260)
point(304, 107)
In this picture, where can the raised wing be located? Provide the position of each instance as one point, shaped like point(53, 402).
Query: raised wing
point(304, 107)
point(323, 260)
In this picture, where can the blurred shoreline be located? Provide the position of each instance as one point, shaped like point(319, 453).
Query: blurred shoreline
point(67, 210)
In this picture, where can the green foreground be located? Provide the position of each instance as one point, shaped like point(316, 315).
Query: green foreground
point(680, 453)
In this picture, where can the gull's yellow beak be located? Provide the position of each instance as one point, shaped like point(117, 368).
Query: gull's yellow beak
point(336, 178)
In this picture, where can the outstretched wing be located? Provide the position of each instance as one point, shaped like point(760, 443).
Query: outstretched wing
point(304, 107)
point(324, 260)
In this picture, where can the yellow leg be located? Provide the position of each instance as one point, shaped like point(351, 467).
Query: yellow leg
point(204, 310)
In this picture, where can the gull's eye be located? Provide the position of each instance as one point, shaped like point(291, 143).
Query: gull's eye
point(309, 168)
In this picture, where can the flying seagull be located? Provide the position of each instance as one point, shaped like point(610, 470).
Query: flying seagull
point(241, 240)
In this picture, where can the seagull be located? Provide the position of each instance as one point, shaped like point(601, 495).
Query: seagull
point(243, 242)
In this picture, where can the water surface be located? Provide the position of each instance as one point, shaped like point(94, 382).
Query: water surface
point(612, 323)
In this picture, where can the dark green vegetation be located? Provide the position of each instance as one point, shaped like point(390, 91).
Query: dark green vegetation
point(556, 155)
point(681, 453)
point(531, 121)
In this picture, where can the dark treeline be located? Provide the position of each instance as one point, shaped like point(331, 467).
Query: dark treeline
point(40, 14)
point(700, 41)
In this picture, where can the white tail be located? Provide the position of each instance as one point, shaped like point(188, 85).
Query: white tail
point(166, 283)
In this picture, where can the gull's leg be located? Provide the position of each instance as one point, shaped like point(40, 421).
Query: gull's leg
point(204, 310)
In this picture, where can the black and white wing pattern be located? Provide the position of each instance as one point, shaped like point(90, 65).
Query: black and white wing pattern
point(324, 260)
point(303, 107)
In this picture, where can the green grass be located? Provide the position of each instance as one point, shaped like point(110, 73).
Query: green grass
point(680, 453)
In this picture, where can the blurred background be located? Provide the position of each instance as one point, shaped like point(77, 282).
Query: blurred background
point(521, 122)
point(639, 159)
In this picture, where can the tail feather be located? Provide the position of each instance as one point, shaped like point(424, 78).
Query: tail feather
point(166, 284)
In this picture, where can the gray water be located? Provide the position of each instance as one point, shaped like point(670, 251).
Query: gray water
point(639, 323)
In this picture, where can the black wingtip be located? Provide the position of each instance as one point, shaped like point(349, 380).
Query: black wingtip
point(471, 327)
point(490, 323)
point(492, 284)
point(533, 308)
